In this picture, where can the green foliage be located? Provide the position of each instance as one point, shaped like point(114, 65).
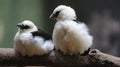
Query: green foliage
point(15, 11)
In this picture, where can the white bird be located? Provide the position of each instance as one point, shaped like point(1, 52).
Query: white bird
point(31, 41)
point(69, 36)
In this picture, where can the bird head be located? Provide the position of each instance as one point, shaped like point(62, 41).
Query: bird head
point(27, 25)
point(63, 12)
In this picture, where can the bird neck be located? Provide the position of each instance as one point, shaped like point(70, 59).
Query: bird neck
point(64, 19)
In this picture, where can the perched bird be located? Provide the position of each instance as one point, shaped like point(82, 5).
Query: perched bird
point(29, 40)
point(69, 36)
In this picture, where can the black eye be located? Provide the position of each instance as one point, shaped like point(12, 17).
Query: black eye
point(57, 13)
point(24, 27)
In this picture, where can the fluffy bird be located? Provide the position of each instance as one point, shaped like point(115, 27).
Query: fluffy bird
point(69, 36)
point(29, 40)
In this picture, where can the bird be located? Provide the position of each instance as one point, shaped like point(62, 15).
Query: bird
point(69, 35)
point(30, 41)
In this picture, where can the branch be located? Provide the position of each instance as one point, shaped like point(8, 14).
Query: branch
point(95, 58)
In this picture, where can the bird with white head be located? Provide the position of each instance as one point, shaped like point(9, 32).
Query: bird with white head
point(29, 40)
point(63, 13)
point(69, 36)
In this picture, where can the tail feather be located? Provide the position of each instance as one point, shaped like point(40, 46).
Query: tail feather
point(48, 45)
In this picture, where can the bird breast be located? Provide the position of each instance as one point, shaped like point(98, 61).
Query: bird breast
point(69, 38)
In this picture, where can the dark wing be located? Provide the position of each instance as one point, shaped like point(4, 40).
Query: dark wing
point(41, 34)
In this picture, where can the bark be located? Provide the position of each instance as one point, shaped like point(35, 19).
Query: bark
point(9, 57)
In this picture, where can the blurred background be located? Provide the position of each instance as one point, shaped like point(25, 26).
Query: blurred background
point(101, 16)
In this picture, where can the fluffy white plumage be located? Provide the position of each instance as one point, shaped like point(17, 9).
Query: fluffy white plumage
point(30, 41)
point(69, 36)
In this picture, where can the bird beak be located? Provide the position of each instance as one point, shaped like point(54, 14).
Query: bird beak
point(52, 16)
point(19, 25)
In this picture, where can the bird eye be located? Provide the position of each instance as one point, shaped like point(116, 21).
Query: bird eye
point(57, 13)
point(26, 27)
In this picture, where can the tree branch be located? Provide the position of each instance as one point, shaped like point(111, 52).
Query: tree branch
point(8, 56)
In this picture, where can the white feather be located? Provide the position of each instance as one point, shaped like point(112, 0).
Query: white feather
point(27, 45)
point(69, 36)
point(48, 45)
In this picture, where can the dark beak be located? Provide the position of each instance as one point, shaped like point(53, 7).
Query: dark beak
point(19, 25)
